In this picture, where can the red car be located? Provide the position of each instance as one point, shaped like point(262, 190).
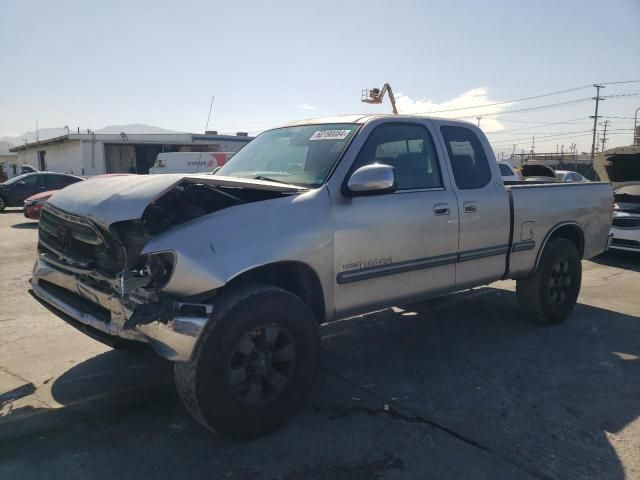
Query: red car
point(33, 205)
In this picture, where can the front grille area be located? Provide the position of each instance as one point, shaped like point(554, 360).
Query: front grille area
point(626, 222)
point(77, 243)
point(619, 242)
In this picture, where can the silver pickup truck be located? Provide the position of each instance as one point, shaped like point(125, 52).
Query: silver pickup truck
point(229, 275)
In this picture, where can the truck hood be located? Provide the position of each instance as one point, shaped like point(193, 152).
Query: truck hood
point(115, 199)
point(620, 166)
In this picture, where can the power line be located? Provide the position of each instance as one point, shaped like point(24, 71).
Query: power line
point(632, 94)
point(618, 83)
point(556, 136)
point(551, 135)
point(493, 104)
point(529, 109)
point(595, 119)
point(524, 141)
point(542, 124)
point(534, 97)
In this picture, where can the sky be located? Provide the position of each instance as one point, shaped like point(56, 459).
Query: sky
point(93, 64)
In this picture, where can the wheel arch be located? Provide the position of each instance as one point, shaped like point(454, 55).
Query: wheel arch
point(571, 231)
point(293, 276)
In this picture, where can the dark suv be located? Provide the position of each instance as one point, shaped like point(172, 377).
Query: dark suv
point(14, 191)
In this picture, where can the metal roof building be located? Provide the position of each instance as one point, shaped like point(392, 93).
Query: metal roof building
point(93, 154)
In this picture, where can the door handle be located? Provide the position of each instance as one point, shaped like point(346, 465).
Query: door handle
point(470, 207)
point(441, 209)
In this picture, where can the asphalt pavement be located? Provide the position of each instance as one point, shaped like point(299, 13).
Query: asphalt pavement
point(455, 387)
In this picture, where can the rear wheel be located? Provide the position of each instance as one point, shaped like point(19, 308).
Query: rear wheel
point(255, 364)
point(550, 293)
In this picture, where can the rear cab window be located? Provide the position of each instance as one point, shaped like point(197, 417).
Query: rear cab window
point(467, 156)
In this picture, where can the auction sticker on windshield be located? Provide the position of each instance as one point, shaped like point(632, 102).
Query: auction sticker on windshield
point(330, 135)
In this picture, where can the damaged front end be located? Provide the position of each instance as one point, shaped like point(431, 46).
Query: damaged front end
point(96, 274)
point(621, 167)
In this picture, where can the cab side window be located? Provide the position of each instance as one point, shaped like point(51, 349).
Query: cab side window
point(468, 160)
point(409, 150)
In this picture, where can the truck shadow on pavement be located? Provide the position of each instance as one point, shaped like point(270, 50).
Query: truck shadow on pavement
point(457, 386)
point(26, 226)
point(620, 259)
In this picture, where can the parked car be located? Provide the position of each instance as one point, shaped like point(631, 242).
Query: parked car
point(28, 169)
point(229, 275)
point(569, 176)
point(16, 190)
point(621, 167)
point(538, 172)
point(508, 173)
point(33, 205)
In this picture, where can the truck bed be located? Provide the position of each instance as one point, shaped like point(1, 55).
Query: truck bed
point(540, 208)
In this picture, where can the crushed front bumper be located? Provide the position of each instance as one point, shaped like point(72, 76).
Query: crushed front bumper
point(173, 335)
point(625, 239)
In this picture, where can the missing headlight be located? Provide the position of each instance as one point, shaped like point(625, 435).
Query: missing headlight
point(158, 267)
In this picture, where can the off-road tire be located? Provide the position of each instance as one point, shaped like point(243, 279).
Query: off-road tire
point(204, 383)
point(549, 294)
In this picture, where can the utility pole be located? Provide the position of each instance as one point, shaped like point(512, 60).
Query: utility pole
point(533, 145)
point(595, 119)
point(636, 135)
point(604, 134)
point(209, 116)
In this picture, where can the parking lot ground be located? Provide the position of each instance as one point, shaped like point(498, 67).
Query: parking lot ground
point(455, 387)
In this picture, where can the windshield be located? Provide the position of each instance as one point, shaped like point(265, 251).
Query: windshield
point(15, 179)
point(302, 155)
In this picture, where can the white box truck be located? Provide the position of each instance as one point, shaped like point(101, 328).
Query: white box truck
point(189, 162)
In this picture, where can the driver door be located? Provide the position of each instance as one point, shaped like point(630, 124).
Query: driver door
point(396, 247)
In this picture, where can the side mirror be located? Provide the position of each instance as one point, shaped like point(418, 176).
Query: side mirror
point(372, 179)
point(21, 182)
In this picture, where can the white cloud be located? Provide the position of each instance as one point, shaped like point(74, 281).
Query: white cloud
point(306, 106)
point(476, 96)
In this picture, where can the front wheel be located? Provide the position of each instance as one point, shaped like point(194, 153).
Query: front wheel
point(255, 364)
point(549, 294)
point(3, 203)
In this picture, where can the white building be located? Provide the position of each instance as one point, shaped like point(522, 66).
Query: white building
point(94, 154)
point(8, 162)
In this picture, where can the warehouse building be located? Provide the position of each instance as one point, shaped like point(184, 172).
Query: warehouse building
point(89, 154)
